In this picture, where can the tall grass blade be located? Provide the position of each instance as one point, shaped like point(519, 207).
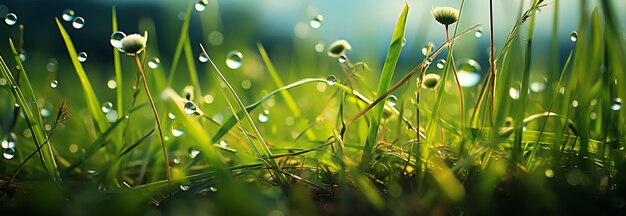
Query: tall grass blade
point(181, 42)
point(385, 81)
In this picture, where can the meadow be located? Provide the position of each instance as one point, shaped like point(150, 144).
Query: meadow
point(209, 120)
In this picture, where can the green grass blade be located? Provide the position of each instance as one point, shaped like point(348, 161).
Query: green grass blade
point(181, 42)
point(93, 105)
point(193, 73)
point(118, 67)
point(29, 105)
point(385, 81)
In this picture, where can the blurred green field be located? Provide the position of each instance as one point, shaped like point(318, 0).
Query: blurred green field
point(502, 117)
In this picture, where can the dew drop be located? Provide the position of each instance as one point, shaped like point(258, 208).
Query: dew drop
point(264, 116)
point(78, 23)
point(441, 63)
point(44, 112)
point(116, 39)
point(190, 107)
point(208, 99)
point(537, 86)
point(575, 103)
point(154, 63)
point(203, 57)
point(9, 153)
point(54, 84)
point(514, 93)
point(428, 61)
point(223, 143)
point(234, 59)
point(82, 56)
point(201, 5)
point(68, 15)
point(176, 160)
point(392, 100)
point(616, 104)
point(549, 173)
point(107, 107)
point(23, 55)
point(468, 73)
point(246, 84)
point(331, 80)
point(52, 65)
point(177, 132)
point(171, 116)
point(186, 187)
point(216, 38)
point(342, 59)
point(316, 22)
point(3, 82)
point(193, 153)
point(403, 41)
point(573, 36)
point(10, 19)
point(478, 33)
point(111, 84)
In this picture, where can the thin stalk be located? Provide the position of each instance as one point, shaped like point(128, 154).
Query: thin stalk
point(492, 63)
point(156, 117)
point(456, 78)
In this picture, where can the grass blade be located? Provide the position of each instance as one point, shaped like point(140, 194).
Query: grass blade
point(385, 81)
point(181, 42)
point(93, 105)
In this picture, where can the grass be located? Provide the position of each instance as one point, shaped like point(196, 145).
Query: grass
point(262, 140)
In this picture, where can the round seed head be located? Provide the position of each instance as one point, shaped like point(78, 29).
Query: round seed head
point(431, 80)
point(445, 15)
point(134, 44)
point(338, 48)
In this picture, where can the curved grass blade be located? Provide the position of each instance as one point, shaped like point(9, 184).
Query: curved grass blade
point(93, 105)
point(181, 42)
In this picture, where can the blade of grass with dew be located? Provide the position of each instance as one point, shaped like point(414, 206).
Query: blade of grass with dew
point(90, 97)
point(181, 42)
point(385, 81)
point(118, 72)
point(523, 91)
point(229, 92)
point(33, 118)
point(197, 132)
point(291, 103)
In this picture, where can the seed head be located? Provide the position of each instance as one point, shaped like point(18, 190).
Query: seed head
point(445, 15)
point(134, 44)
point(338, 48)
point(430, 80)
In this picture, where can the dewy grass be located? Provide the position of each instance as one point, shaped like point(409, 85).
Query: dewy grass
point(557, 150)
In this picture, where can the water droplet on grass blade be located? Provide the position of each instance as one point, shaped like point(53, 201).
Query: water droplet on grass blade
point(575, 103)
point(171, 116)
point(201, 5)
point(154, 63)
point(9, 153)
point(316, 22)
point(107, 107)
point(264, 116)
point(78, 23)
point(193, 153)
point(537, 86)
point(392, 100)
point(190, 107)
point(10, 19)
point(549, 173)
point(177, 132)
point(223, 143)
point(203, 58)
point(9, 142)
point(116, 39)
point(73, 148)
point(54, 84)
point(468, 73)
point(573, 36)
point(68, 15)
point(331, 80)
point(234, 59)
point(428, 61)
point(616, 104)
point(514, 93)
point(441, 63)
point(82, 56)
